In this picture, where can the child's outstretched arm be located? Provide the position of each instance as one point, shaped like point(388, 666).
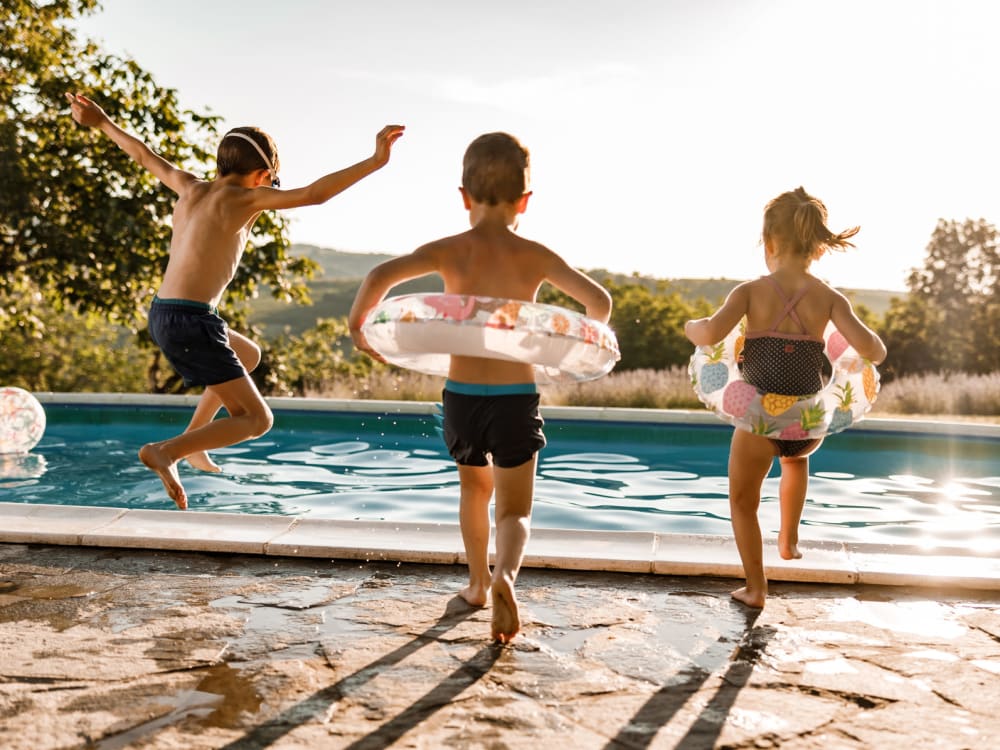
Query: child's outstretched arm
point(323, 189)
point(90, 115)
point(582, 288)
point(864, 340)
point(378, 282)
point(709, 331)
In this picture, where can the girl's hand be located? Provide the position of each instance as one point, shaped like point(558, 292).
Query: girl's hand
point(85, 111)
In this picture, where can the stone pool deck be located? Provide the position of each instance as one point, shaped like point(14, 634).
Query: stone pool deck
point(109, 647)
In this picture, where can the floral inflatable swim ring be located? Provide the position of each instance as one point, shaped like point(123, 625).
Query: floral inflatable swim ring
point(22, 421)
point(422, 331)
point(849, 395)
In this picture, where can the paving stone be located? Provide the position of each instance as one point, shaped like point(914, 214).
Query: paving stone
point(137, 648)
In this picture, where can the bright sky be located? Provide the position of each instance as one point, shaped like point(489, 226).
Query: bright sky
point(658, 128)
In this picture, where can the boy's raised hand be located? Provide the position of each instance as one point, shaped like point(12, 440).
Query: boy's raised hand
point(90, 115)
point(85, 111)
point(384, 140)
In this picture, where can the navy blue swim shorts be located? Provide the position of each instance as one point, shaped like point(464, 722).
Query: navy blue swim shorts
point(501, 421)
point(195, 340)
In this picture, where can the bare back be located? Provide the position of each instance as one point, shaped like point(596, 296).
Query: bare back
point(211, 225)
point(813, 308)
point(492, 262)
point(764, 307)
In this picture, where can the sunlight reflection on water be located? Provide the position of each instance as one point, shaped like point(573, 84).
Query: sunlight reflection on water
point(863, 486)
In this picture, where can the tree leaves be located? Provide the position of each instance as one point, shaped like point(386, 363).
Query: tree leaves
point(951, 319)
point(80, 223)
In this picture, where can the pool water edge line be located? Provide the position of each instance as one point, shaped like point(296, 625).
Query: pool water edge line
point(440, 543)
point(566, 413)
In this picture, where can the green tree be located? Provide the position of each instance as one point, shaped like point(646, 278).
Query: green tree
point(73, 352)
point(82, 227)
point(904, 330)
point(950, 320)
point(297, 365)
point(650, 326)
point(986, 335)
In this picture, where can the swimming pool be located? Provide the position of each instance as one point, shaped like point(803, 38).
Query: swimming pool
point(388, 464)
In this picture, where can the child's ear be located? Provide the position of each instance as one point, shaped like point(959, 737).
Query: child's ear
point(522, 203)
point(466, 201)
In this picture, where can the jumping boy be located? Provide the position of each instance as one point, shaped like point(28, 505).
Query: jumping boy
point(492, 426)
point(212, 220)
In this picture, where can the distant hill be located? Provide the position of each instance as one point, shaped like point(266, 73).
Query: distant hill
point(337, 264)
point(334, 289)
point(715, 290)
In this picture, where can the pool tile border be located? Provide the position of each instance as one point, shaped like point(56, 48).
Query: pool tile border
point(584, 413)
point(52, 524)
point(440, 543)
point(202, 532)
point(363, 540)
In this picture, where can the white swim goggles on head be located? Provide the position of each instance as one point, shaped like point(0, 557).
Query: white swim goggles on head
point(275, 182)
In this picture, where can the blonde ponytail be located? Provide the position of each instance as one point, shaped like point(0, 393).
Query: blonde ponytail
point(797, 222)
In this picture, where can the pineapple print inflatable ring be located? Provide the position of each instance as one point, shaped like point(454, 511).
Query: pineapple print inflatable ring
point(421, 331)
point(716, 377)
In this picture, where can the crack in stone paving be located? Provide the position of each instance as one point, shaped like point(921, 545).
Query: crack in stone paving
point(992, 636)
point(861, 700)
point(948, 700)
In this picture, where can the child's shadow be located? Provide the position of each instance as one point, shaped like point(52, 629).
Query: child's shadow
point(456, 611)
point(662, 706)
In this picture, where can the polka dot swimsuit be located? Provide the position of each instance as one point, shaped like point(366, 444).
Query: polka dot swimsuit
point(790, 364)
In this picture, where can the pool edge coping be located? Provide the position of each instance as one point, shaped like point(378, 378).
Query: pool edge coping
point(440, 543)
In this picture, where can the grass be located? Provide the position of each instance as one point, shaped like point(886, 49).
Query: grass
point(636, 389)
point(932, 396)
point(937, 394)
point(395, 385)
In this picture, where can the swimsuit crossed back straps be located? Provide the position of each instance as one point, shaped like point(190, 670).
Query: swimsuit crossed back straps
point(791, 364)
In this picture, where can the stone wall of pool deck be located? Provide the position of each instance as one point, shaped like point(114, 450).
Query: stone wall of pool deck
point(618, 551)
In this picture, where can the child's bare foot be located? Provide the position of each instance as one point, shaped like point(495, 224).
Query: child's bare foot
point(155, 459)
point(506, 619)
point(788, 548)
point(201, 461)
point(474, 596)
point(749, 598)
point(789, 552)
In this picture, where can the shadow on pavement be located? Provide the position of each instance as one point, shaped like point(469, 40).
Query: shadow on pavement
point(640, 731)
point(316, 704)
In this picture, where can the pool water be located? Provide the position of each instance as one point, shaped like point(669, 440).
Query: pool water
point(864, 486)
